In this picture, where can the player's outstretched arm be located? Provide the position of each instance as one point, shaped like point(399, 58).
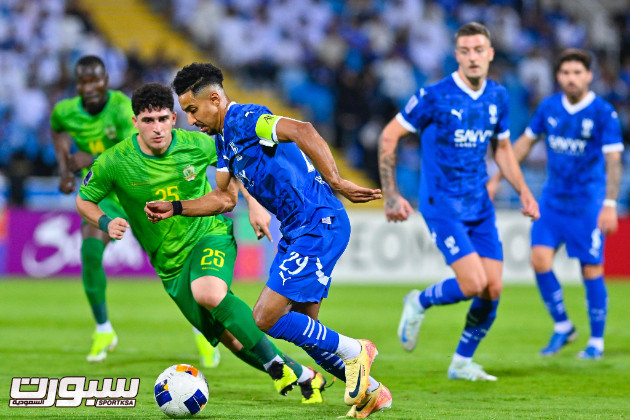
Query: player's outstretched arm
point(510, 169)
point(397, 209)
point(521, 148)
point(607, 221)
point(93, 214)
point(220, 200)
point(315, 147)
point(61, 144)
point(259, 217)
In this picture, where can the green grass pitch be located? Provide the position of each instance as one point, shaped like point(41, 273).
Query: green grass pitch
point(45, 330)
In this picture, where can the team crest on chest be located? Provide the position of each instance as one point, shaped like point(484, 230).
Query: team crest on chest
point(189, 173)
point(110, 132)
point(587, 126)
point(492, 110)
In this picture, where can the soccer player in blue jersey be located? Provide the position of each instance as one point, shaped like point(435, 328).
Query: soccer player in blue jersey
point(579, 199)
point(458, 116)
point(289, 169)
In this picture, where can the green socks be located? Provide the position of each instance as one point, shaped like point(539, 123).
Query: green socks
point(94, 281)
point(237, 318)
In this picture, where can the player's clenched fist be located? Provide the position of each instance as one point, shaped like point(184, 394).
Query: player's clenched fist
point(158, 210)
point(117, 228)
point(66, 184)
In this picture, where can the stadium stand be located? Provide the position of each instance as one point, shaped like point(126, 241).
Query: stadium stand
point(346, 66)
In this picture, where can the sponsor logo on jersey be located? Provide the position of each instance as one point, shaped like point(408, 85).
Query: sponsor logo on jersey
point(492, 109)
point(457, 113)
point(470, 138)
point(566, 145)
point(189, 173)
point(110, 132)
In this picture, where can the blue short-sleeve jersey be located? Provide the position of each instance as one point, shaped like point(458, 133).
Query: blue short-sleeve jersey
point(278, 175)
point(457, 124)
point(577, 137)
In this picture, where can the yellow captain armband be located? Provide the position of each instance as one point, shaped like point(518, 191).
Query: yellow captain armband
point(266, 129)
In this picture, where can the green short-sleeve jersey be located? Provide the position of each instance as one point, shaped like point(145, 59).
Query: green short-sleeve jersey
point(178, 174)
point(94, 133)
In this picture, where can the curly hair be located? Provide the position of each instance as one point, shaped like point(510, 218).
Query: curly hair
point(152, 97)
point(197, 76)
point(574, 54)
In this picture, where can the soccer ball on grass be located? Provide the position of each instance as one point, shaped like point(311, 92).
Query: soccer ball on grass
point(181, 391)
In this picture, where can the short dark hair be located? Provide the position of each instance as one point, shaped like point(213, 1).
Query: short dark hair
point(89, 60)
point(197, 76)
point(574, 54)
point(472, 28)
point(152, 97)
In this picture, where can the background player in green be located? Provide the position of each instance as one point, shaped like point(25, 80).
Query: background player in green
point(96, 120)
point(194, 257)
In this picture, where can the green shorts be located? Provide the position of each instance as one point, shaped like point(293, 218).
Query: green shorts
point(214, 255)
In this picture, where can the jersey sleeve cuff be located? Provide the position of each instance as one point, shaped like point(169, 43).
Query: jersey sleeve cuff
point(86, 197)
point(223, 169)
point(504, 135)
point(530, 133)
point(406, 124)
point(611, 148)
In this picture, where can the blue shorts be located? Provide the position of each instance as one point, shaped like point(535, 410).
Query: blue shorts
point(456, 238)
point(302, 268)
point(581, 235)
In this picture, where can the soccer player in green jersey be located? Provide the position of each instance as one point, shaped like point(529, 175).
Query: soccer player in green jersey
point(194, 257)
point(96, 120)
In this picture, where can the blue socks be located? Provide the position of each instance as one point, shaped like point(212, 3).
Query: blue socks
point(330, 362)
point(551, 293)
point(442, 293)
point(481, 315)
point(302, 331)
point(597, 304)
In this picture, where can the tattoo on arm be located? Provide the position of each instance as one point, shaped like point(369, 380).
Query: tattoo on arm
point(387, 166)
point(613, 176)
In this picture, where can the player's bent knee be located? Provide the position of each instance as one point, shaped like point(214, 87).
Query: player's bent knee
point(472, 285)
point(540, 265)
point(590, 271)
point(208, 291)
point(541, 259)
point(494, 289)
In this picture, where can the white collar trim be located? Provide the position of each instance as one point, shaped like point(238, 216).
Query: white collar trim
point(229, 106)
point(475, 94)
point(575, 108)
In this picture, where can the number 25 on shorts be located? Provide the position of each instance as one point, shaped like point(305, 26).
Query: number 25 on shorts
point(213, 257)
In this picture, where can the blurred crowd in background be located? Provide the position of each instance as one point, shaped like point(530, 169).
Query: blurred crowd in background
point(348, 65)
